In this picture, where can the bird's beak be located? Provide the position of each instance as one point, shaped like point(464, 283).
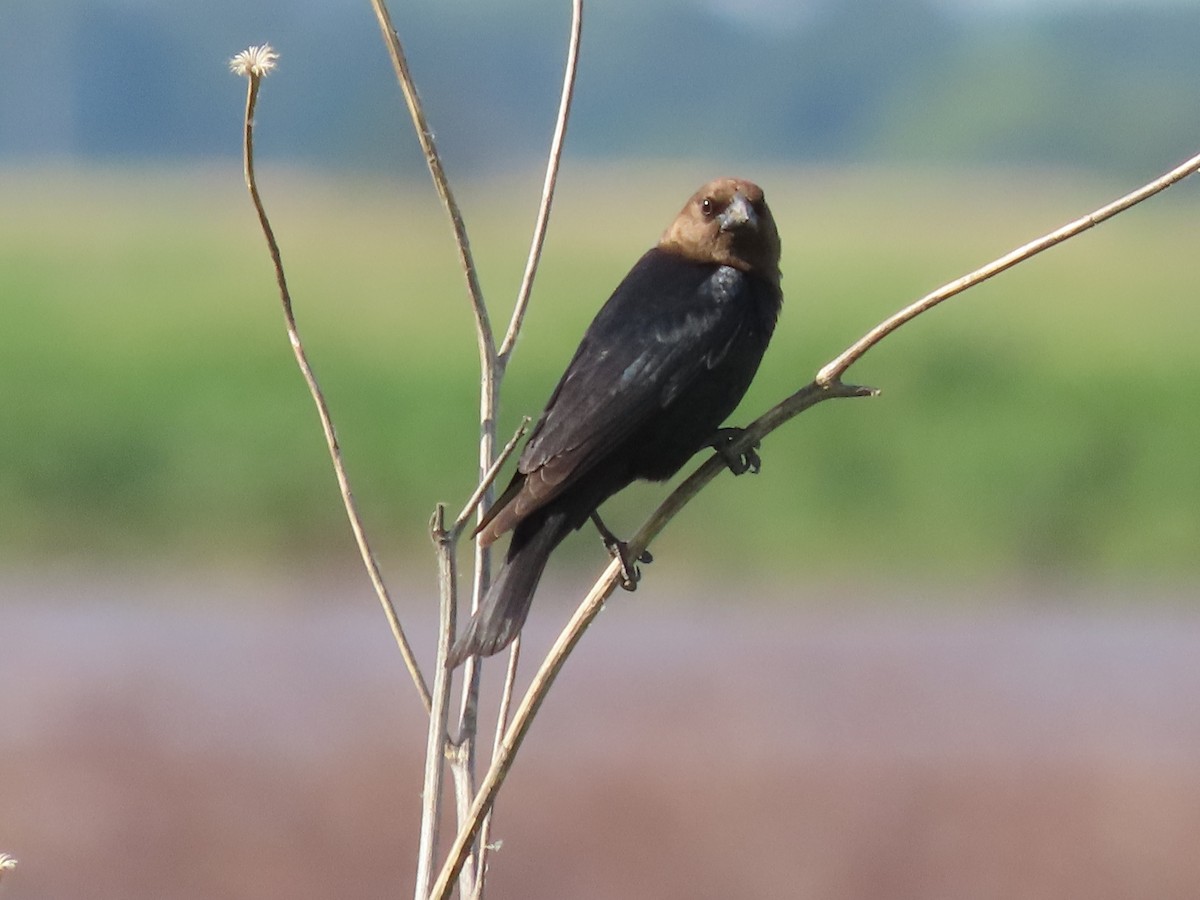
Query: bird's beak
point(738, 214)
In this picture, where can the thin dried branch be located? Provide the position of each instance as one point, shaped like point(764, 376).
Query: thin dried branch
point(522, 719)
point(254, 64)
point(483, 325)
point(590, 607)
point(489, 478)
point(485, 830)
point(464, 790)
point(543, 218)
point(431, 792)
point(826, 386)
point(489, 386)
point(835, 369)
point(460, 751)
point(462, 755)
point(466, 748)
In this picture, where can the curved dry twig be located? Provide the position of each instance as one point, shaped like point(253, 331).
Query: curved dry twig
point(836, 368)
point(254, 74)
point(826, 386)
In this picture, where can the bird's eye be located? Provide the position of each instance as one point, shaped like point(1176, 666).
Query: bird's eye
point(708, 207)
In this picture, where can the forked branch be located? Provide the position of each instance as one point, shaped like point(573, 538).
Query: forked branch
point(492, 360)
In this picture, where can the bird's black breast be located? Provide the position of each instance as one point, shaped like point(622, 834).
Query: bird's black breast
point(666, 359)
point(724, 360)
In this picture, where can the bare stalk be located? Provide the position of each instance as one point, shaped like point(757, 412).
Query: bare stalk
point(827, 385)
point(522, 719)
point(483, 325)
point(462, 755)
point(552, 166)
point(460, 751)
point(485, 830)
point(468, 716)
point(254, 64)
point(835, 369)
point(489, 378)
point(436, 742)
point(464, 786)
point(489, 478)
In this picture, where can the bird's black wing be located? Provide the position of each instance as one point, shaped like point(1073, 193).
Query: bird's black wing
point(668, 321)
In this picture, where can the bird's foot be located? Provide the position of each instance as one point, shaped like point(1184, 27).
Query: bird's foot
point(746, 460)
point(631, 574)
point(619, 550)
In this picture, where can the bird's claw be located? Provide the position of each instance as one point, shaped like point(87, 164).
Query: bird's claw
point(630, 573)
point(747, 460)
point(619, 550)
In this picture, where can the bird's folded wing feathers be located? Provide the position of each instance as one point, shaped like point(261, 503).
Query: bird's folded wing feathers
point(612, 387)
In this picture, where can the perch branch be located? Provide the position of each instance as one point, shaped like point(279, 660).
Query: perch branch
point(254, 64)
point(826, 386)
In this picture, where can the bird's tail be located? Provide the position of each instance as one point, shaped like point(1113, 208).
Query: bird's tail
point(507, 601)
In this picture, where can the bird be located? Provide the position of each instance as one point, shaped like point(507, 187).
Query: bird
point(665, 361)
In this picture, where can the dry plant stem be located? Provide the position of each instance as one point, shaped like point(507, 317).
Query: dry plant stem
point(523, 718)
point(460, 751)
point(835, 369)
point(826, 386)
point(485, 829)
point(335, 453)
point(470, 695)
point(483, 326)
point(808, 396)
point(490, 373)
point(464, 786)
point(462, 756)
point(489, 478)
point(552, 166)
point(439, 716)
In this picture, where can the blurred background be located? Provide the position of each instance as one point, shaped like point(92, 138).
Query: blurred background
point(971, 598)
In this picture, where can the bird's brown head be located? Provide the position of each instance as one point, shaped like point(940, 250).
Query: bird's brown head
point(729, 223)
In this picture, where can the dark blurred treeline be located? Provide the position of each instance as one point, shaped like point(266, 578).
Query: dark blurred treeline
point(1103, 85)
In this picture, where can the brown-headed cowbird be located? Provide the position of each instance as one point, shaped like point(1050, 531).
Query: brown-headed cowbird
point(664, 362)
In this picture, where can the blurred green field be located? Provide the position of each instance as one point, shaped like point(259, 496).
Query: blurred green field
point(1045, 423)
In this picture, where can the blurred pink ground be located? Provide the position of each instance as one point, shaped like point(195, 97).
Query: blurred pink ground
point(230, 742)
